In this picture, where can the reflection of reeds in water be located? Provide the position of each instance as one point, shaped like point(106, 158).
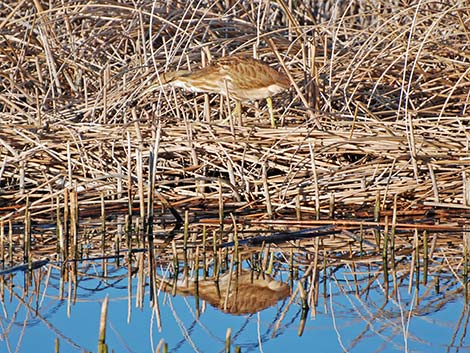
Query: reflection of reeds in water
point(242, 294)
point(354, 254)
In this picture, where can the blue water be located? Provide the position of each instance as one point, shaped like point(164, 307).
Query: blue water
point(343, 321)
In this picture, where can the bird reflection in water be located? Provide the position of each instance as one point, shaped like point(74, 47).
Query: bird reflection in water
point(245, 293)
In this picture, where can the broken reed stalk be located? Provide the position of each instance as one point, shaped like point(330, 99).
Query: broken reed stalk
point(315, 181)
point(67, 249)
point(298, 210)
point(215, 253)
point(102, 346)
point(292, 271)
point(392, 257)
point(393, 232)
point(305, 309)
point(377, 207)
point(103, 230)
point(10, 242)
point(221, 206)
point(185, 245)
point(141, 281)
point(139, 168)
point(176, 265)
point(129, 286)
point(269, 208)
point(117, 245)
point(331, 212)
point(2, 246)
point(27, 237)
point(74, 216)
point(228, 335)
point(152, 279)
point(466, 264)
point(196, 280)
point(162, 346)
point(204, 252)
point(425, 257)
point(325, 275)
point(417, 250)
point(385, 253)
point(414, 261)
point(236, 253)
point(313, 292)
point(128, 232)
point(59, 226)
point(130, 196)
point(229, 286)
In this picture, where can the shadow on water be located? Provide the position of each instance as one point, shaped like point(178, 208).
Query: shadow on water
point(208, 286)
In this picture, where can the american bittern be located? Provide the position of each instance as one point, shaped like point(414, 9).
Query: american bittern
point(240, 78)
point(242, 294)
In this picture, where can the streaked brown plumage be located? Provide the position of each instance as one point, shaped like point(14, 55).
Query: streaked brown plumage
point(246, 295)
point(240, 78)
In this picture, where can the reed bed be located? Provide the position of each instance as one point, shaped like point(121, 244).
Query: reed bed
point(377, 111)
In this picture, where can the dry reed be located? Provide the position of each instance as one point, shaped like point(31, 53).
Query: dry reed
point(388, 85)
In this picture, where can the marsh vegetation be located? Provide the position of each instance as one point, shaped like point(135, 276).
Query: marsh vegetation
point(363, 185)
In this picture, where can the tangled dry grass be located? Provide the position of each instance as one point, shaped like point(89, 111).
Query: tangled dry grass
point(379, 108)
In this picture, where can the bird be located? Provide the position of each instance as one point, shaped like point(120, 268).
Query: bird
point(245, 293)
point(239, 77)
